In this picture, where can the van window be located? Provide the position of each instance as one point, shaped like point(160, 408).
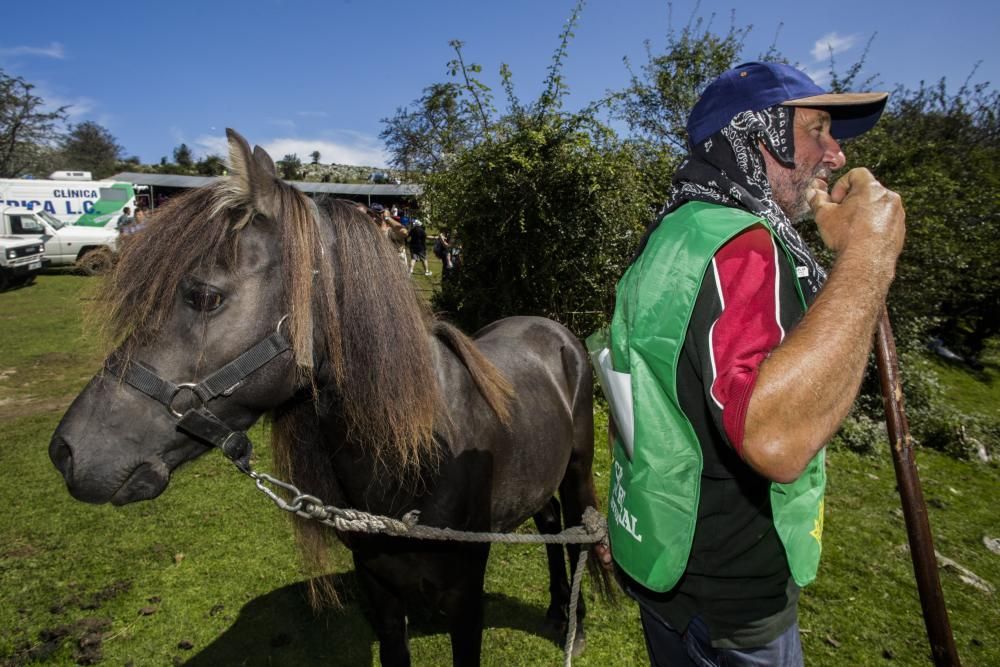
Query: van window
point(25, 225)
point(113, 194)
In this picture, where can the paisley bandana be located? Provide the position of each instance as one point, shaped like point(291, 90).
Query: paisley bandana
point(728, 169)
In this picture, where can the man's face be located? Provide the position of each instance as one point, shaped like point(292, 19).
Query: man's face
point(817, 155)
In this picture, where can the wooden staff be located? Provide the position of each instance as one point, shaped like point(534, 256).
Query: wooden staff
point(918, 528)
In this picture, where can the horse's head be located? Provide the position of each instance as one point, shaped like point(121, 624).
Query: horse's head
point(211, 275)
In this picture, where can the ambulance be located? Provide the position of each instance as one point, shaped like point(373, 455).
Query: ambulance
point(70, 197)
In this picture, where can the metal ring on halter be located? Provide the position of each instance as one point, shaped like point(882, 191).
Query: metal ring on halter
point(183, 385)
point(280, 322)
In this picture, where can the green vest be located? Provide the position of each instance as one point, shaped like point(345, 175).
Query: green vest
point(654, 495)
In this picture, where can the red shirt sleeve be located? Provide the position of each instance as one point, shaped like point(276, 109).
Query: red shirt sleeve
point(746, 277)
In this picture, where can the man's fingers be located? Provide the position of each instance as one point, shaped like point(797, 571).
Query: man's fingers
point(603, 551)
point(852, 180)
point(816, 195)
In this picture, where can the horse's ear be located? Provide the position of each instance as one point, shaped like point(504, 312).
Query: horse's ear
point(251, 177)
point(264, 161)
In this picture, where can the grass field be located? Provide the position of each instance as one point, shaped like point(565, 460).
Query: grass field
point(206, 574)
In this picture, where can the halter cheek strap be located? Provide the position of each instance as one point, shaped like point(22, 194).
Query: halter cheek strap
point(199, 422)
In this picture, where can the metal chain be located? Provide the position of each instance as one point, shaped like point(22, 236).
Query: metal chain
point(594, 529)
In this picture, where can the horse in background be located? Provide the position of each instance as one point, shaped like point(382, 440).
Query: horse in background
point(374, 404)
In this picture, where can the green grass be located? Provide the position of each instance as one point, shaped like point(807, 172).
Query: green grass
point(977, 391)
point(212, 564)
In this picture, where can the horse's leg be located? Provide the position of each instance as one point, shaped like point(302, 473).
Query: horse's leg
point(549, 522)
point(576, 491)
point(463, 604)
point(387, 614)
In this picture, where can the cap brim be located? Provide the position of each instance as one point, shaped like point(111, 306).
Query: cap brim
point(838, 100)
point(851, 114)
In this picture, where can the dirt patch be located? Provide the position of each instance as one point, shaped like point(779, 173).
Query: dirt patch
point(86, 633)
point(90, 601)
point(20, 551)
point(55, 359)
point(29, 406)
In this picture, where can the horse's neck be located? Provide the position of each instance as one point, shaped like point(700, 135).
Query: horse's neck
point(363, 480)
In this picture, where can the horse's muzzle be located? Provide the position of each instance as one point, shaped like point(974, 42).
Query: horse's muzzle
point(145, 481)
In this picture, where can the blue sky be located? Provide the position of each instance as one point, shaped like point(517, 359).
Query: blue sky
point(304, 75)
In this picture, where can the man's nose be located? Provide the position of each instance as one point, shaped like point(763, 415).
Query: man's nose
point(834, 155)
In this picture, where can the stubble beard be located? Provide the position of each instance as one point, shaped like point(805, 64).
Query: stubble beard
point(790, 188)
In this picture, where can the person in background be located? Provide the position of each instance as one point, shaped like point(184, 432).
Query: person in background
point(397, 233)
point(418, 246)
point(125, 219)
point(442, 250)
point(745, 356)
point(138, 222)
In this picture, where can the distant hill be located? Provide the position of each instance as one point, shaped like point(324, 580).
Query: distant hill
point(318, 173)
point(346, 173)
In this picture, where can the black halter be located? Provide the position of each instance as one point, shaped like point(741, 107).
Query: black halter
point(199, 422)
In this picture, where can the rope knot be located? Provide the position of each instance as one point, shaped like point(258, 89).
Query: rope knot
point(595, 523)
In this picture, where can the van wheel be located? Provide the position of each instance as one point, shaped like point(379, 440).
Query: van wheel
point(4, 280)
point(95, 262)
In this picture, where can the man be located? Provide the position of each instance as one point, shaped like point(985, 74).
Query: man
point(418, 246)
point(744, 359)
point(125, 219)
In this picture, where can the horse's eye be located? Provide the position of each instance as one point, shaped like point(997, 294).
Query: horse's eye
point(203, 298)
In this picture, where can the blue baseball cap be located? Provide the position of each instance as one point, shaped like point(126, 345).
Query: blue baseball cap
point(757, 86)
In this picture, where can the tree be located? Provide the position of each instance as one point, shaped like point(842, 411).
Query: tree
point(431, 131)
point(547, 206)
point(183, 156)
point(656, 103)
point(290, 167)
point(211, 165)
point(90, 147)
point(26, 129)
point(315, 157)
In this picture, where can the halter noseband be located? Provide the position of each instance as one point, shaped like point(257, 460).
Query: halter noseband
point(199, 422)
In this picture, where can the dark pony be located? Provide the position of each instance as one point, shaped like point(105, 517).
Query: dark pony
point(377, 406)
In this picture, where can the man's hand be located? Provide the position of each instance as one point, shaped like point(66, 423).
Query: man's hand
point(859, 210)
point(603, 552)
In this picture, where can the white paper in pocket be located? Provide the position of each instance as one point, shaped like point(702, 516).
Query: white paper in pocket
point(617, 389)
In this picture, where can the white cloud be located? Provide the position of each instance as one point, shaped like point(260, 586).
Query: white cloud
point(821, 75)
point(359, 150)
point(210, 144)
point(364, 152)
point(832, 44)
point(53, 50)
point(77, 107)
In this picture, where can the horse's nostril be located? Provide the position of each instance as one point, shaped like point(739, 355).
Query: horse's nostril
point(62, 456)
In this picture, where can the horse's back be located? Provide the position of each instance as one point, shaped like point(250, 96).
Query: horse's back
point(551, 412)
point(505, 340)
